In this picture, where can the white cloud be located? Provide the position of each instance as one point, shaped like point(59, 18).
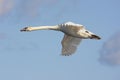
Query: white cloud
point(110, 52)
point(6, 6)
point(30, 7)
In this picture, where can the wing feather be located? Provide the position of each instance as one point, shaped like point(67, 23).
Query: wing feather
point(69, 44)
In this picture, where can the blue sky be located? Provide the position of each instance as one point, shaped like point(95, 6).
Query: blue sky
point(36, 55)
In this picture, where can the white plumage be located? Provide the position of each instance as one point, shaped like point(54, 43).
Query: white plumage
point(74, 33)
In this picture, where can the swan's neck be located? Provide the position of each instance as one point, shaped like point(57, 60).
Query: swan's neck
point(45, 28)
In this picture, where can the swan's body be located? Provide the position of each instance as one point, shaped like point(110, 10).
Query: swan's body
point(74, 33)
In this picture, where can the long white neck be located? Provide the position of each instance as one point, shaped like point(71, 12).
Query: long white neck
point(57, 28)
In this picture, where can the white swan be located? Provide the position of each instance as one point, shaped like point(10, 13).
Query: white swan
point(74, 33)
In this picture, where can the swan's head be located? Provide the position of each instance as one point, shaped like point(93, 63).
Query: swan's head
point(87, 34)
point(26, 29)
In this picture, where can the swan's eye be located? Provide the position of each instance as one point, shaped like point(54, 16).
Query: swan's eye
point(86, 31)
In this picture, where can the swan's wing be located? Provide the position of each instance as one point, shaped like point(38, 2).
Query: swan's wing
point(69, 45)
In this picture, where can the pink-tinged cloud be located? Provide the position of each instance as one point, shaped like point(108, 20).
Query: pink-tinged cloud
point(110, 52)
point(6, 6)
point(32, 8)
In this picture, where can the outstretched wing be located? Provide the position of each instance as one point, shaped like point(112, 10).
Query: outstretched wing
point(69, 45)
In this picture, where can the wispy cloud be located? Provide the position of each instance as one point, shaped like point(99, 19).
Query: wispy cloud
point(110, 52)
point(6, 6)
point(30, 7)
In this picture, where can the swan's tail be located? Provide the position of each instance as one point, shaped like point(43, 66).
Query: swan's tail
point(95, 37)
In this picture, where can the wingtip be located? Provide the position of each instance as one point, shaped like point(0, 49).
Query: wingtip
point(66, 54)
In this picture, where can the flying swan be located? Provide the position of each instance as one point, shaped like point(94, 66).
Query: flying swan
point(73, 34)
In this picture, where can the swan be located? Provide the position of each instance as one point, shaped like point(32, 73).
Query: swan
point(73, 35)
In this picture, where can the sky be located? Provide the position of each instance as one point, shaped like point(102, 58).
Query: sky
point(36, 55)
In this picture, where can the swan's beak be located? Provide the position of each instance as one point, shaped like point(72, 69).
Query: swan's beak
point(93, 36)
point(25, 29)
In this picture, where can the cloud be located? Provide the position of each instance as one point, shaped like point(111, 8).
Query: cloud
point(33, 8)
point(6, 6)
point(110, 52)
point(30, 7)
